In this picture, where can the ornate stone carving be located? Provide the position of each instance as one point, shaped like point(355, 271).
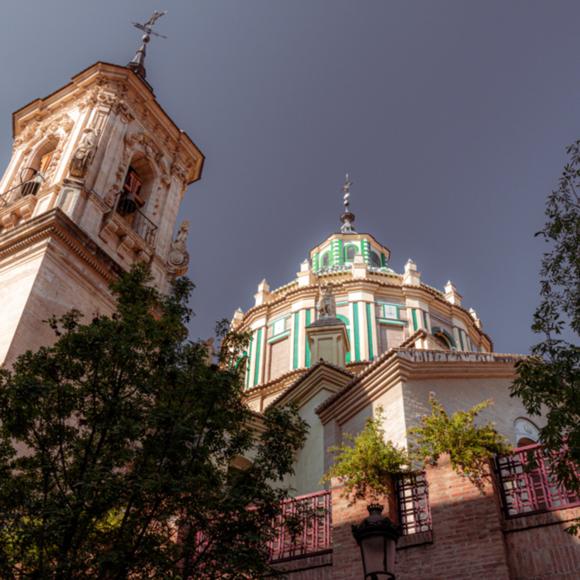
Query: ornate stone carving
point(326, 305)
point(84, 153)
point(178, 258)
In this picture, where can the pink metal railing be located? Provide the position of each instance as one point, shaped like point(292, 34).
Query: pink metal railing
point(528, 484)
point(413, 503)
point(313, 512)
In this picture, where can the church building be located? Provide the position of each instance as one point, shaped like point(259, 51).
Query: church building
point(94, 184)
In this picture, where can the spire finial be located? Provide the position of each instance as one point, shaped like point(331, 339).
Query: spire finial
point(137, 65)
point(347, 217)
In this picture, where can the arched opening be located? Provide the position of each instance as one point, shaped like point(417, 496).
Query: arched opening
point(137, 188)
point(526, 433)
point(325, 260)
point(34, 174)
point(350, 252)
point(375, 260)
point(443, 338)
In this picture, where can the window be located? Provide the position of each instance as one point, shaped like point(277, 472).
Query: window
point(279, 326)
point(33, 176)
point(325, 260)
point(390, 311)
point(349, 253)
point(375, 260)
point(130, 199)
point(526, 433)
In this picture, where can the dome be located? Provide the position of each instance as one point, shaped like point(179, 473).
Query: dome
point(380, 308)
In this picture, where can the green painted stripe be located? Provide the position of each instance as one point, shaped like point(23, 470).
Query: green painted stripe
point(391, 321)
point(296, 330)
point(356, 331)
point(425, 321)
point(248, 370)
point(415, 323)
point(370, 331)
point(258, 353)
point(307, 354)
point(315, 265)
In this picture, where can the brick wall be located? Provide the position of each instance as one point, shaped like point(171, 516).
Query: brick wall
point(470, 539)
point(467, 535)
point(539, 548)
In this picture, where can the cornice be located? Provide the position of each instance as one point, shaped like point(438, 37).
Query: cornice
point(291, 291)
point(302, 390)
point(404, 364)
point(56, 225)
point(91, 82)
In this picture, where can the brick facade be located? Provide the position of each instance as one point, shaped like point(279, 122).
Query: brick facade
point(471, 538)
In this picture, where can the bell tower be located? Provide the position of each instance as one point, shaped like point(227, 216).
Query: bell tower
point(94, 185)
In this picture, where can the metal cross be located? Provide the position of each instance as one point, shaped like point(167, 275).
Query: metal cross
point(147, 27)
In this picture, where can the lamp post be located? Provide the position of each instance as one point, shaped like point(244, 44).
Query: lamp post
point(377, 538)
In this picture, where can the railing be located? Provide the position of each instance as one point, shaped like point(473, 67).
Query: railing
point(136, 219)
point(528, 484)
point(28, 187)
point(413, 503)
point(144, 227)
point(313, 514)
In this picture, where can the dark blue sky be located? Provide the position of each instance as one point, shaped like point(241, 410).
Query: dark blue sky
point(451, 116)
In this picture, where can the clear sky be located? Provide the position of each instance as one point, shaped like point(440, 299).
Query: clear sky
point(451, 117)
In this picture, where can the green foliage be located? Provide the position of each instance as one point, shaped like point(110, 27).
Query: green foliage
point(365, 464)
point(126, 431)
point(548, 382)
point(470, 446)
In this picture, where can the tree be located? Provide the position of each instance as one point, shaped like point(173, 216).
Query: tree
point(116, 446)
point(365, 463)
point(470, 446)
point(548, 382)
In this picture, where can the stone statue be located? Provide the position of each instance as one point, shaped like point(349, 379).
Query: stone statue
point(178, 258)
point(84, 153)
point(326, 305)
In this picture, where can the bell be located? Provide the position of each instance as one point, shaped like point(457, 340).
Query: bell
point(127, 204)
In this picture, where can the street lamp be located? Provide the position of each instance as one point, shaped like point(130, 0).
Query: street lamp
point(377, 538)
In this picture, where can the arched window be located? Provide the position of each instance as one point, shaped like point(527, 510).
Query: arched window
point(136, 189)
point(443, 338)
point(34, 174)
point(526, 433)
point(325, 260)
point(349, 253)
point(375, 260)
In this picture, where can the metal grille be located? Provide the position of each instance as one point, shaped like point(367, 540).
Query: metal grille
point(528, 484)
point(313, 512)
point(413, 503)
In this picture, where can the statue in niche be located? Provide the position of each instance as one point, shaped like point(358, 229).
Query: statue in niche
point(326, 305)
point(84, 153)
point(178, 258)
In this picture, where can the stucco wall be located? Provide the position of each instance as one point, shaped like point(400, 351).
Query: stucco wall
point(62, 282)
point(461, 394)
point(17, 276)
point(310, 459)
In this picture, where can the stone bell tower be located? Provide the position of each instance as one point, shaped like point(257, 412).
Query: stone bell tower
point(96, 178)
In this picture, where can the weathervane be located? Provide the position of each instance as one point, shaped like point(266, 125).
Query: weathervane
point(347, 217)
point(137, 65)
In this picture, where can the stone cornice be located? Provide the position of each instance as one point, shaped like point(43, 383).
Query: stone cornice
point(292, 291)
point(308, 385)
point(56, 225)
point(128, 89)
point(405, 364)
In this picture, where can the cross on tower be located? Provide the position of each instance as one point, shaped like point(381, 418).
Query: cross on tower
point(137, 65)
